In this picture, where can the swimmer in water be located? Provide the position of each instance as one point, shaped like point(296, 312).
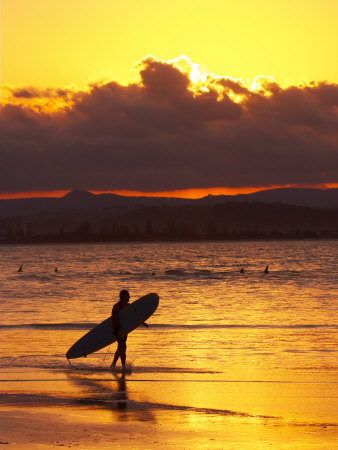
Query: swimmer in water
point(266, 270)
point(20, 269)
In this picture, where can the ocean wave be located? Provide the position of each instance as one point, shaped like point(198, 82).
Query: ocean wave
point(51, 326)
point(199, 326)
point(250, 326)
point(176, 274)
point(192, 273)
point(91, 365)
point(33, 277)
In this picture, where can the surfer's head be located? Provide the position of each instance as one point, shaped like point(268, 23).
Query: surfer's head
point(124, 296)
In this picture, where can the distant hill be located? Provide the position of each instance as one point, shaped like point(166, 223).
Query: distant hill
point(313, 198)
point(85, 201)
point(79, 200)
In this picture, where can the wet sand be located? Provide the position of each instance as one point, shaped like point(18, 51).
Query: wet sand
point(28, 428)
point(146, 410)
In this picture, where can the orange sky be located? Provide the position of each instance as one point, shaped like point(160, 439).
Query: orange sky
point(49, 47)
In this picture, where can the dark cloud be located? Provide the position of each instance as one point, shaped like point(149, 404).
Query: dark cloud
point(162, 134)
point(32, 92)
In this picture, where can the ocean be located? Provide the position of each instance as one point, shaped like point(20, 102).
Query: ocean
point(222, 343)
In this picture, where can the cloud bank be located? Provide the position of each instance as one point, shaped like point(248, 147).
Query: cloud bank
point(168, 132)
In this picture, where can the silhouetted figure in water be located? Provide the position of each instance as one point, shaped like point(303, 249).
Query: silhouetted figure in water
point(56, 269)
point(20, 269)
point(121, 341)
point(266, 270)
point(242, 270)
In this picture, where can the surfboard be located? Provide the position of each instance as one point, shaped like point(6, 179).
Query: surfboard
point(102, 334)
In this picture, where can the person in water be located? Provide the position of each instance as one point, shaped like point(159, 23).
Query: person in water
point(121, 341)
point(266, 270)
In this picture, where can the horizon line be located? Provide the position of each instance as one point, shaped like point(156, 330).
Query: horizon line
point(193, 193)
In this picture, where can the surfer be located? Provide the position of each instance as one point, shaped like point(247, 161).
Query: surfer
point(121, 341)
point(20, 269)
point(266, 270)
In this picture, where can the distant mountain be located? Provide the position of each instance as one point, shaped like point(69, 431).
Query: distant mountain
point(80, 201)
point(116, 204)
point(313, 198)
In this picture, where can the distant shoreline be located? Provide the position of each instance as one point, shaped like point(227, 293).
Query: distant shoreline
point(327, 237)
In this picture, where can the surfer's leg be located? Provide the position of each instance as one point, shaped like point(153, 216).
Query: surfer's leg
point(116, 357)
point(123, 354)
point(120, 352)
point(122, 348)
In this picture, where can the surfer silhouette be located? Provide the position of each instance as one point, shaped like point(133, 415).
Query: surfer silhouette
point(121, 341)
point(266, 270)
point(20, 269)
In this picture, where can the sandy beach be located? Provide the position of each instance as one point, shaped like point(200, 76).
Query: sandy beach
point(44, 429)
point(178, 410)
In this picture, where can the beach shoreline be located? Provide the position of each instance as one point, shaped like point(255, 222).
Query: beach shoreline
point(28, 428)
point(149, 410)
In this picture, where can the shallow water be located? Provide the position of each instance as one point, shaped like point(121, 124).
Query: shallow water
point(253, 345)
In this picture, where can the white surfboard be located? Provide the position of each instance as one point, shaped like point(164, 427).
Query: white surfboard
point(102, 335)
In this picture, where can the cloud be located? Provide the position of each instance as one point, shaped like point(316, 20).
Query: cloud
point(32, 92)
point(167, 132)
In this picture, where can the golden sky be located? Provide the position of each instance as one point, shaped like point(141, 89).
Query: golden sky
point(52, 51)
point(59, 43)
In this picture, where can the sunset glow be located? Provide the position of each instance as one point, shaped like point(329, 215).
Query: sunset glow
point(294, 43)
point(180, 193)
point(240, 98)
point(187, 149)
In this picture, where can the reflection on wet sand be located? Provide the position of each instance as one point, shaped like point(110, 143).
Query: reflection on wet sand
point(111, 395)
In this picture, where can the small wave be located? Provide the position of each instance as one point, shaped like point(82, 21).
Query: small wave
point(249, 326)
point(193, 274)
point(143, 370)
point(92, 365)
point(189, 273)
point(52, 326)
point(32, 277)
point(179, 272)
point(200, 326)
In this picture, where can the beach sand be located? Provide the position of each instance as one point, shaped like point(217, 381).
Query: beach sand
point(31, 428)
point(173, 410)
